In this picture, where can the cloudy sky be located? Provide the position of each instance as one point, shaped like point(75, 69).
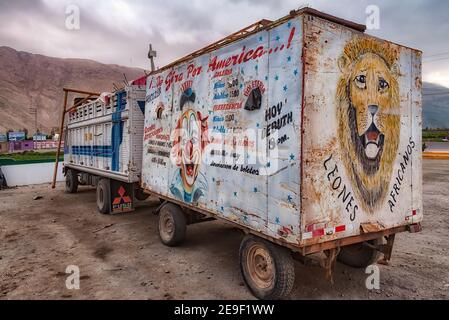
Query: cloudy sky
point(118, 31)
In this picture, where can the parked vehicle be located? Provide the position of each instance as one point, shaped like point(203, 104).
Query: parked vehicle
point(304, 132)
point(103, 147)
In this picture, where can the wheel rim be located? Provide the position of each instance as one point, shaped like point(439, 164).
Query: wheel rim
point(260, 266)
point(166, 226)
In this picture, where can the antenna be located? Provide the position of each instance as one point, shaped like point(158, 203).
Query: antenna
point(151, 55)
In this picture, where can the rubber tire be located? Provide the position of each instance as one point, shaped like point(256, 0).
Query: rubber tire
point(71, 181)
point(175, 213)
point(284, 273)
point(358, 255)
point(140, 195)
point(104, 196)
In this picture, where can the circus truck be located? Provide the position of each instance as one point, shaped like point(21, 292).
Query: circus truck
point(304, 133)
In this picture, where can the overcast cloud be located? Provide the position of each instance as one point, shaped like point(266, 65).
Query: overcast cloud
point(119, 31)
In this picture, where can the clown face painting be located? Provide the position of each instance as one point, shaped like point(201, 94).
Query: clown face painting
point(190, 139)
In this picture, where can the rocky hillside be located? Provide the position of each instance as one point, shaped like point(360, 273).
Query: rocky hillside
point(36, 81)
point(436, 106)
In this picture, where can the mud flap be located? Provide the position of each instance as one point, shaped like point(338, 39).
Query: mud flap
point(122, 197)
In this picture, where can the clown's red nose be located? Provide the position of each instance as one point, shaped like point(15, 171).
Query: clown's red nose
point(189, 148)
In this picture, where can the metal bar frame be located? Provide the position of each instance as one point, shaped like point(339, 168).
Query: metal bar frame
point(61, 127)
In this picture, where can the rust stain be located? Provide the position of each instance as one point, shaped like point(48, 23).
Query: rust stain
point(370, 227)
point(418, 83)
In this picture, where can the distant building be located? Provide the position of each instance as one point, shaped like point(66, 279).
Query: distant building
point(4, 147)
point(16, 136)
point(21, 145)
point(39, 137)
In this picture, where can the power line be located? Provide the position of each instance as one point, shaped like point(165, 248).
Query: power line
point(437, 55)
point(436, 94)
point(434, 60)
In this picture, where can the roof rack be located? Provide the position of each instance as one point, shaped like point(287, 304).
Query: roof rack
point(88, 95)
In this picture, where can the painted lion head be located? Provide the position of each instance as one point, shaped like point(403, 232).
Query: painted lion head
point(368, 115)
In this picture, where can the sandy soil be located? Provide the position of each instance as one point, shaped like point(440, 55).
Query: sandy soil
point(125, 260)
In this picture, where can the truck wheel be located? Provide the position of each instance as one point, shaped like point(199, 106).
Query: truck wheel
point(172, 225)
point(358, 255)
point(71, 181)
point(268, 269)
point(103, 196)
point(140, 194)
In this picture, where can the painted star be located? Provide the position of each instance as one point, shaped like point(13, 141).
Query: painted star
point(295, 72)
point(278, 221)
point(257, 125)
point(292, 157)
point(255, 189)
point(289, 198)
point(285, 88)
point(266, 78)
point(256, 67)
point(289, 24)
point(260, 39)
point(289, 59)
point(235, 194)
point(276, 77)
point(278, 38)
point(268, 164)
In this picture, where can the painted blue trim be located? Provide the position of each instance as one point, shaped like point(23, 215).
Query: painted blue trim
point(117, 130)
point(93, 151)
point(141, 106)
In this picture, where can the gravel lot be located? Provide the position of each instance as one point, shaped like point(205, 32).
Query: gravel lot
point(121, 257)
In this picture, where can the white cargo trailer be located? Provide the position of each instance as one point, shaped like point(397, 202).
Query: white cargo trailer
point(304, 132)
point(103, 147)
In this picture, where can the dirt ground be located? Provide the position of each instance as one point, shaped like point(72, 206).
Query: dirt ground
point(121, 257)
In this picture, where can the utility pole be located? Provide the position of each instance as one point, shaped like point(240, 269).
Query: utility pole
point(151, 55)
point(33, 111)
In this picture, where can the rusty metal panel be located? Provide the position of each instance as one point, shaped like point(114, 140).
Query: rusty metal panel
point(417, 120)
point(227, 139)
point(304, 158)
point(362, 134)
point(157, 130)
point(284, 129)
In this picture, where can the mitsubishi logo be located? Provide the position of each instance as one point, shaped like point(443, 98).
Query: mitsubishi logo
point(122, 198)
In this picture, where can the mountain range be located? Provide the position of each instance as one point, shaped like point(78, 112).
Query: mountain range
point(435, 106)
point(30, 82)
